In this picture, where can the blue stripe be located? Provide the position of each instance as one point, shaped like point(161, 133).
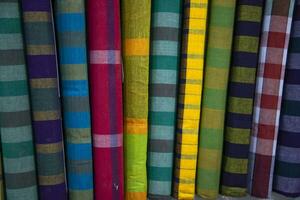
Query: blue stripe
point(75, 88)
point(79, 151)
point(80, 181)
point(72, 55)
point(70, 22)
point(77, 119)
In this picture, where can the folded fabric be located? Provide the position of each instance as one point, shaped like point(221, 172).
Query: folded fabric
point(287, 161)
point(105, 72)
point(272, 60)
point(44, 90)
point(241, 91)
point(189, 99)
point(1, 178)
point(71, 40)
point(164, 62)
point(135, 38)
point(220, 29)
point(15, 120)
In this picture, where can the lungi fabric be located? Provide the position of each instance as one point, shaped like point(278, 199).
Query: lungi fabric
point(15, 119)
point(47, 123)
point(164, 62)
point(106, 97)
point(189, 99)
point(71, 39)
point(1, 175)
point(269, 85)
point(287, 163)
point(220, 29)
point(240, 98)
point(135, 38)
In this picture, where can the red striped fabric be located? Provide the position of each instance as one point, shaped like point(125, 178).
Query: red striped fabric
point(104, 39)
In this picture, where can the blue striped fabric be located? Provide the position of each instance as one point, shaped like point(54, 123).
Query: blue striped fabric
point(70, 25)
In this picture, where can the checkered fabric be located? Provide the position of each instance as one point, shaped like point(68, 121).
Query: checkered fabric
point(272, 60)
point(287, 163)
point(189, 100)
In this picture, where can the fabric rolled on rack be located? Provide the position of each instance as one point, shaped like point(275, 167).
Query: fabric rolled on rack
point(164, 62)
point(218, 53)
point(240, 98)
point(189, 97)
point(15, 120)
point(271, 69)
point(71, 40)
point(106, 97)
point(45, 98)
point(135, 39)
point(287, 161)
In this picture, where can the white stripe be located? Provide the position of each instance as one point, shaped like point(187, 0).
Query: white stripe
point(108, 141)
point(105, 57)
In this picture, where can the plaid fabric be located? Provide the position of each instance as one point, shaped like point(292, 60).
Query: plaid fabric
point(106, 97)
point(287, 163)
point(15, 120)
point(164, 62)
point(70, 27)
point(272, 60)
point(42, 70)
point(240, 97)
point(220, 31)
point(135, 38)
point(189, 100)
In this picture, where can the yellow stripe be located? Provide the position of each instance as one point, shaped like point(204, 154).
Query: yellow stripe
point(49, 148)
point(137, 47)
point(36, 16)
point(46, 115)
point(43, 83)
point(52, 180)
point(40, 49)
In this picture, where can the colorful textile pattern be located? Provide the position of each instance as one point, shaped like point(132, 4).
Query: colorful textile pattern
point(135, 35)
point(1, 173)
point(189, 100)
point(287, 163)
point(164, 62)
point(273, 51)
point(42, 71)
point(220, 29)
point(240, 97)
point(106, 97)
point(71, 39)
point(15, 119)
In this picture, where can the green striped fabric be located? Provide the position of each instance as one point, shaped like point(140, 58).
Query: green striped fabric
point(220, 30)
point(1, 179)
point(164, 63)
point(15, 120)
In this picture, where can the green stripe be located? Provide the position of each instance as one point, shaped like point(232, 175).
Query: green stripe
point(162, 118)
point(160, 173)
point(166, 6)
point(9, 25)
point(13, 88)
point(17, 150)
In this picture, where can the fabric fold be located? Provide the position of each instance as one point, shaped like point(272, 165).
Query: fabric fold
point(45, 98)
point(218, 54)
point(271, 69)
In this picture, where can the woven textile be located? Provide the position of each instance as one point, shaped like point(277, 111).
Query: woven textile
point(15, 120)
point(218, 54)
point(272, 60)
point(189, 100)
point(240, 97)
point(164, 62)
point(42, 71)
point(71, 39)
point(1, 176)
point(135, 38)
point(287, 163)
point(106, 97)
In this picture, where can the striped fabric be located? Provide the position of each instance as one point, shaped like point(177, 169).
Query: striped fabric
point(189, 100)
point(15, 120)
point(70, 27)
point(240, 97)
point(287, 163)
point(271, 68)
point(164, 62)
point(135, 38)
point(42, 72)
point(220, 29)
point(1, 173)
point(106, 97)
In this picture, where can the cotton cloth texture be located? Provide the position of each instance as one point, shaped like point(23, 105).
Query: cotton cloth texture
point(15, 120)
point(106, 97)
point(272, 60)
point(1, 177)
point(287, 163)
point(220, 30)
point(45, 100)
point(135, 40)
point(189, 97)
point(164, 63)
point(71, 40)
point(240, 98)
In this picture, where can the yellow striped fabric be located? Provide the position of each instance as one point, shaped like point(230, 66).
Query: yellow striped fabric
point(189, 102)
